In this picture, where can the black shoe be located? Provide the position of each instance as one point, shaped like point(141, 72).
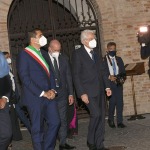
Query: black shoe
point(91, 146)
point(121, 125)
point(66, 146)
point(111, 124)
point(103, 148)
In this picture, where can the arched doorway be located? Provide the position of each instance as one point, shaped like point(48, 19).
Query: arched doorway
point(58, 19)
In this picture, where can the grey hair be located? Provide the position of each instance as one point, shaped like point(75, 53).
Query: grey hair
point(84, 34)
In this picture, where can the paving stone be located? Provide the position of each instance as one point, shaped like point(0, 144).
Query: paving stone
point(136, 136)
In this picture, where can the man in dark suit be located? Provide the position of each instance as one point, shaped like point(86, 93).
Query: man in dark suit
point(145, 53)
point(5, 93)
point(89, 76)
point(37, 92)
point(59, 64)
point(115, 67)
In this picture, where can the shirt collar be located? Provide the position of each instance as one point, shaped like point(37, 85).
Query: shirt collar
point(111, 57)
point(50, 56)
point(87, 49)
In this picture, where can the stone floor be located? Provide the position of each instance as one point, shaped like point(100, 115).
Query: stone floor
point(135, 137)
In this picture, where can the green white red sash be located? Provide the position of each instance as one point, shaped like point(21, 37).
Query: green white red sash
point(36, 55)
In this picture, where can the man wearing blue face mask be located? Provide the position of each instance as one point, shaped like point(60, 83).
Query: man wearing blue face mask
point(116, 68)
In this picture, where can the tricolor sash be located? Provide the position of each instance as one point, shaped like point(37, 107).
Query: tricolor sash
point(36, 55)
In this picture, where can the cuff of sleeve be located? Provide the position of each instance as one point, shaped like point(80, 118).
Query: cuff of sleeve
point(6, 98)
point(54, 91)
point(143, 44)
point(42, 94)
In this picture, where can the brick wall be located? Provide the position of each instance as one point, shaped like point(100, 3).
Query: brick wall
point(119, 21)
point(4, 7)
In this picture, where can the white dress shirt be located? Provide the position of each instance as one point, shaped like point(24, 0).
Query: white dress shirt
point(88, 51)
point(111, 71)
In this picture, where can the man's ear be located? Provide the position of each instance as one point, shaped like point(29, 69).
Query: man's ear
point(84, 42)
point(49, 49)
point(32, 40)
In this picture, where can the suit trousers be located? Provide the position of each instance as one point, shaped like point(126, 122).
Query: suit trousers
point(5, 128)
point(97, 121)
point(116, 101)
point(44, 139)
point(62, 107)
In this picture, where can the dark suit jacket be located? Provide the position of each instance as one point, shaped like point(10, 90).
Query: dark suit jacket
point(89, 77)
point(120, 66)
point(145, 53)
point(34, 79)
point(65, 74)
point(5, 86)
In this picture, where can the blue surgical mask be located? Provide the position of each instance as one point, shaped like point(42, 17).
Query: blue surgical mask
point(112, 53)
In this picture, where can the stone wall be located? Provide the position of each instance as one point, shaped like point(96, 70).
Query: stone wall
point(119, 21)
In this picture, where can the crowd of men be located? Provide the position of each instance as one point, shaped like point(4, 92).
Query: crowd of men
point(47, 82)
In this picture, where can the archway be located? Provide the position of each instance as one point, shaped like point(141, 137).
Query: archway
point(58, 19)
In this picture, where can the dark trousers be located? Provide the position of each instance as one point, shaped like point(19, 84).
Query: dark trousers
point(97, 121)
point(21, 115)
point(116, 101)
point(62, 107)
point(5, 128)
point(46, 110)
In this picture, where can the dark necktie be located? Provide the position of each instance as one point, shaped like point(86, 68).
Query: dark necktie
point(57, 73)
point(92, 53)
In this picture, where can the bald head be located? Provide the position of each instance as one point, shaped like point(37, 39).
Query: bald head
point(54, 46)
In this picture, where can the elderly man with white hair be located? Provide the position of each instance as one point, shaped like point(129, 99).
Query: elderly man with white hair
point(91, 83)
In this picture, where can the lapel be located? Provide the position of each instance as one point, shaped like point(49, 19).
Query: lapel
point(48, 59)
point(86, 56)
point(60, 62)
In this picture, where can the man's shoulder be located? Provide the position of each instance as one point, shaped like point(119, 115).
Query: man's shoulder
point(118, 58)
point(44, 51)
point(79, 50)
point(23, 53)
point(64, 58)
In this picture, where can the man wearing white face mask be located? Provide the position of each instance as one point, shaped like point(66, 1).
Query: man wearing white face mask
point(89, 74)
point(63, 79)
point(7, 56)
point(37, 92)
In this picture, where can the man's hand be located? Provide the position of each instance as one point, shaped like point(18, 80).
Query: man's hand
point(49, 94)
point(108, 92)
point(52, 94)
point(112, 78)
point(85, 98)
point(71, 99)
point(3, 102)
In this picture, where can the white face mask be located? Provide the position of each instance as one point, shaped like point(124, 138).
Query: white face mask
point(92, 43)
point(55, 54)
point(9, 60)
point(42, 41)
